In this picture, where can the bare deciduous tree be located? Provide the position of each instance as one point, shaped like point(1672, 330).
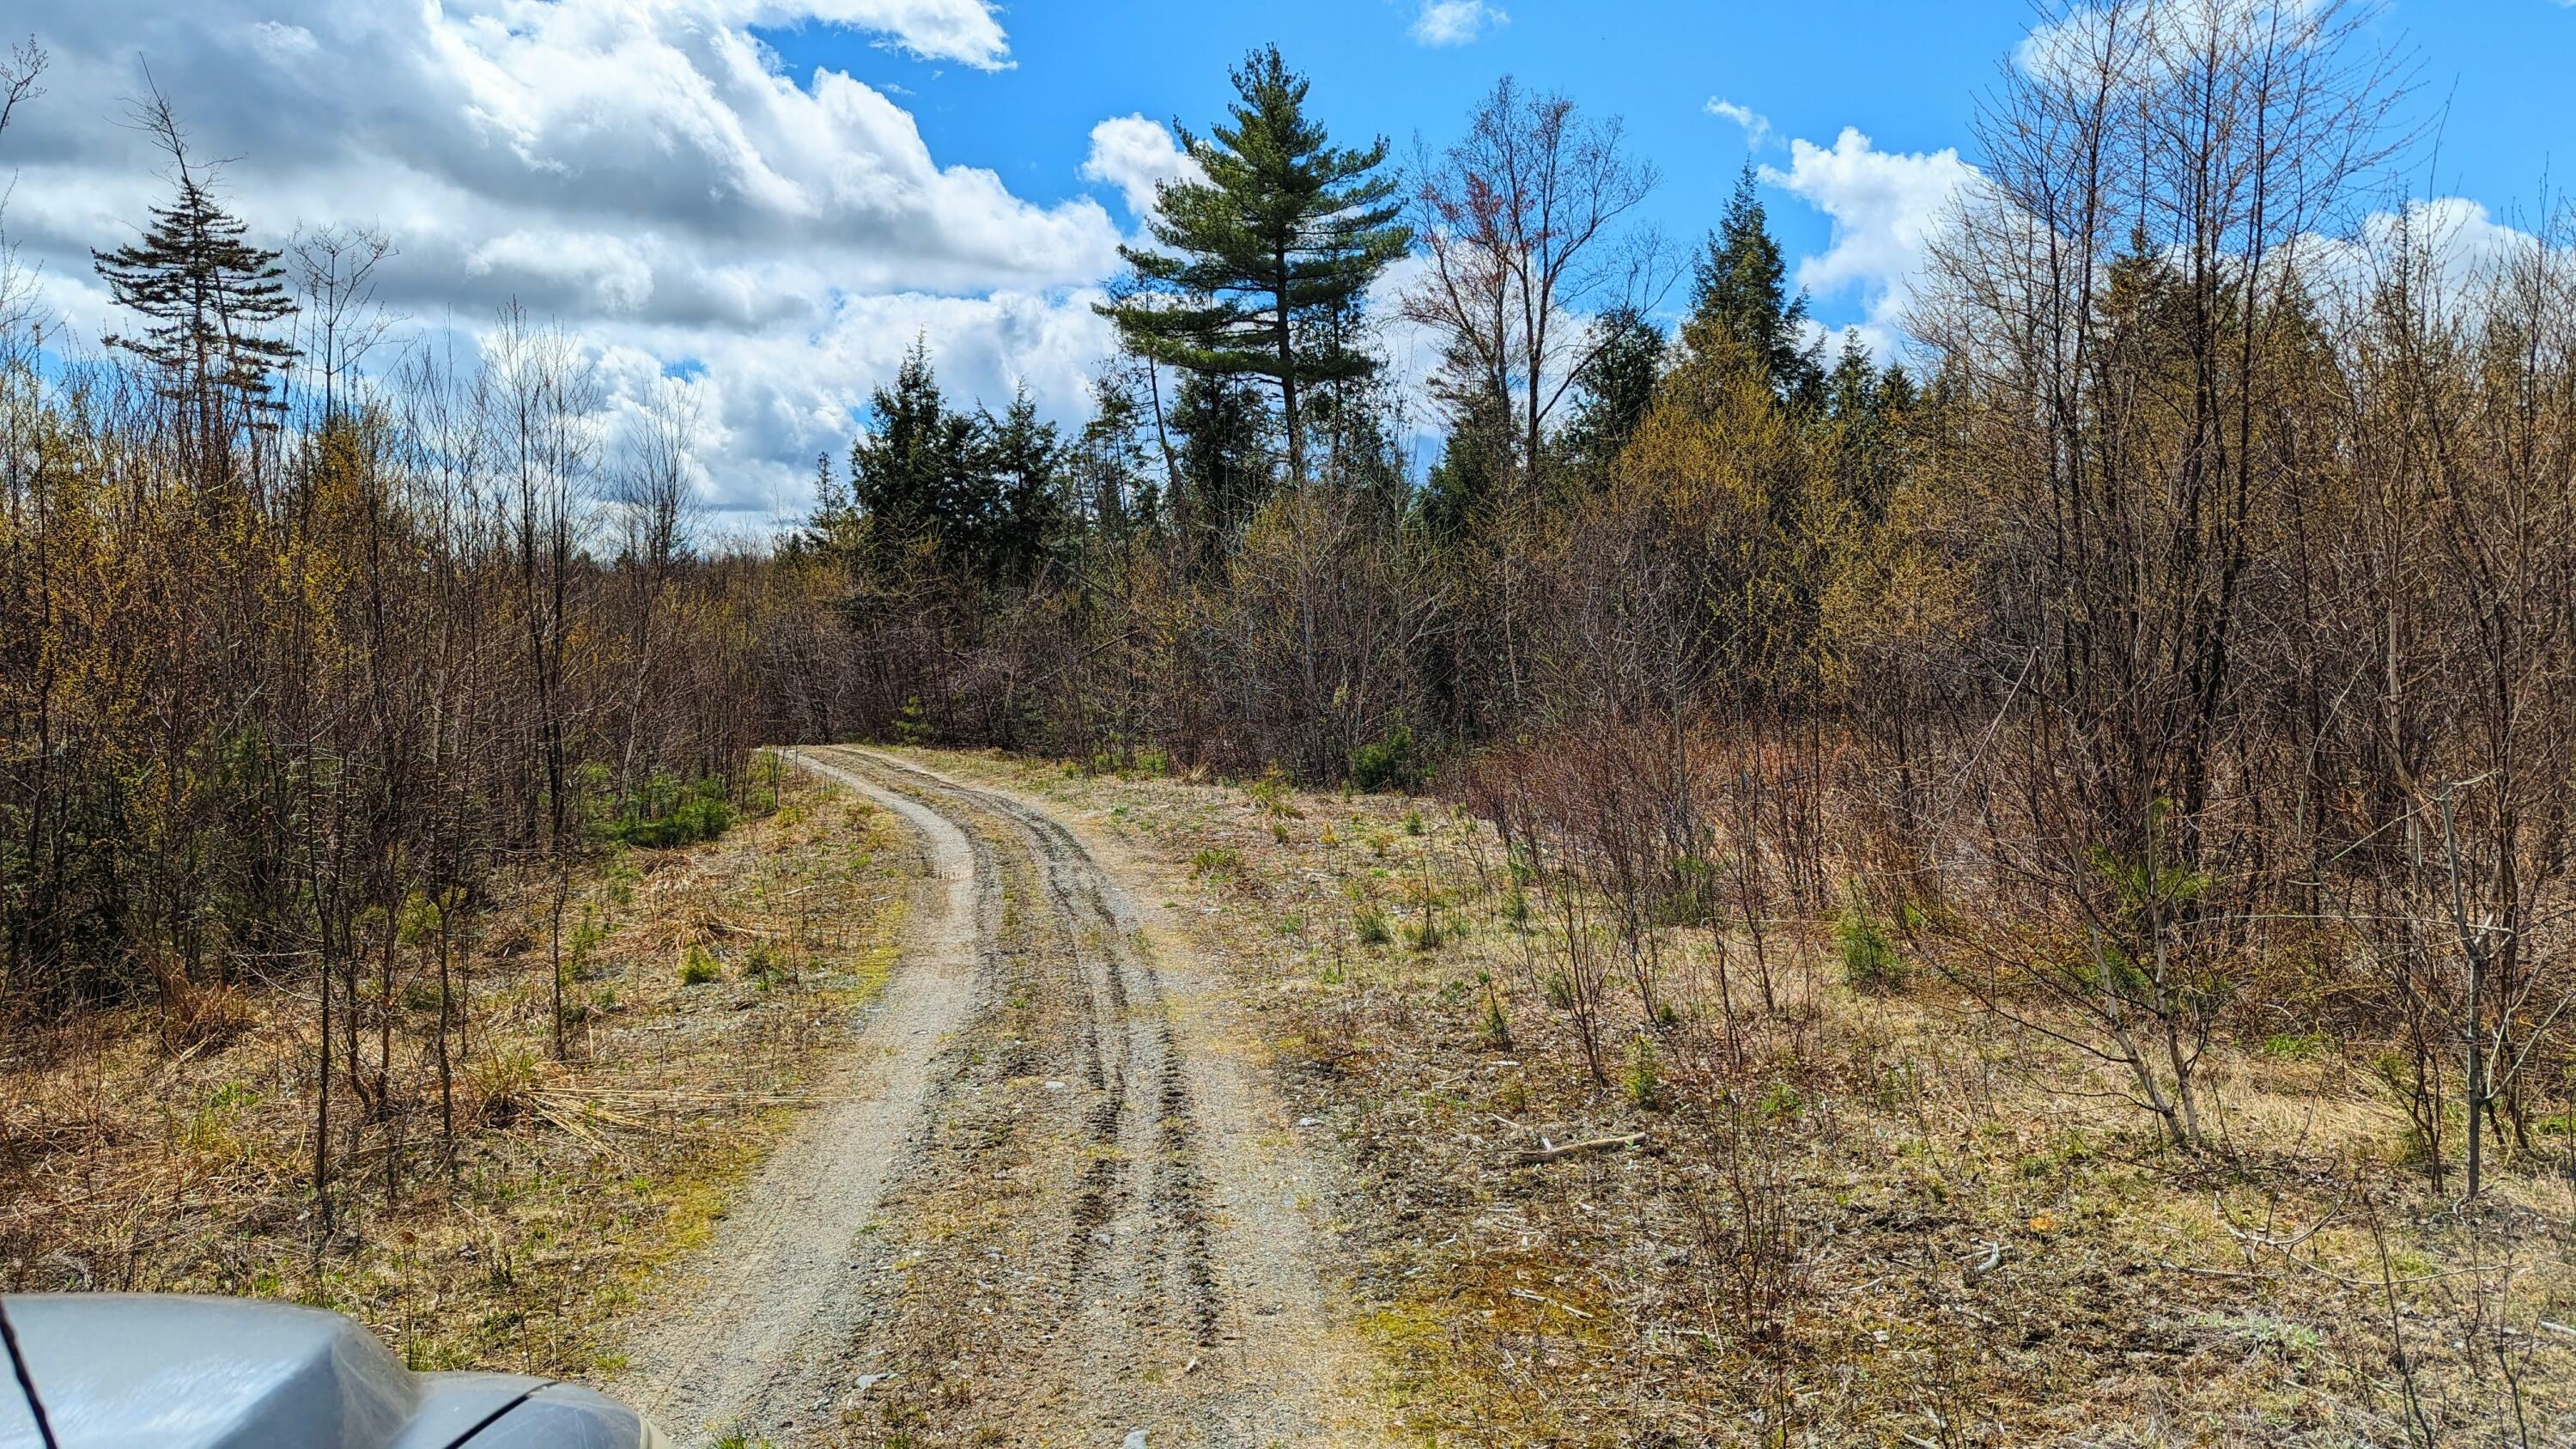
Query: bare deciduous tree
point(2125, 300)
point(542, 398)
point(1524, 232)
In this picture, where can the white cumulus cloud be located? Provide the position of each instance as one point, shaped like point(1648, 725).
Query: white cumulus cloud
point(962, 30)
point(645, 171)
point(1455, 22)
point(1885, 207)
point(1755, 125)
point(2156, 36)
point(2451, 244)
point(1136, 156)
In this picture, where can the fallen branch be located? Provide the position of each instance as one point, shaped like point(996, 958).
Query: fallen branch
point(1597, 1144)
point(1994, 1259)
point(1550, 1302)
point(2173, 1267)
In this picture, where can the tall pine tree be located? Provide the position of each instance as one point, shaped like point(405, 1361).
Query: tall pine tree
point(208, 297)
point(1285, 232)
point(1618, 385)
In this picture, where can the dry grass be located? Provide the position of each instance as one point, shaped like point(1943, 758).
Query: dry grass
point(1885, 1218)
point(133, 1159)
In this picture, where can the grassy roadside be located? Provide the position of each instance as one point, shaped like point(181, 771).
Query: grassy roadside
point(1866, 1217)
point(705, 983)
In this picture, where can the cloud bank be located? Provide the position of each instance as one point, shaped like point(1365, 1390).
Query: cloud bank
point(1885, 207)
point(1136, 156)
point(643, 170)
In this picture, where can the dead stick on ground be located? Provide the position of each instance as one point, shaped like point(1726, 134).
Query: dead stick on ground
point(1597, 1144)
point(1550, 1302)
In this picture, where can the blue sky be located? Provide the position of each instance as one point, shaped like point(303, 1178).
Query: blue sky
point(763, 202)
point(1907, 75)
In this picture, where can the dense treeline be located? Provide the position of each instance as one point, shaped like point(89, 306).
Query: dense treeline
point(2181, 639)
point(1619, 521)
point(2196, 606)
point(302, 635)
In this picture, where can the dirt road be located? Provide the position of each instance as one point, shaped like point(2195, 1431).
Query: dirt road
point(1054, 1202)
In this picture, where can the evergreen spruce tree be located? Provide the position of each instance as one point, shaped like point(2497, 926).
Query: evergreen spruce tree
point(1618, 385)
point(1226, 467)
point(1286, 230)
point(209, 299)
point(1740, 300)
point(1354, 417)
point(1026, 458)
point(835, 531)
point(1866, 410)
point(1851, 389)
point(920, 473)
point(1113, 491)
point(1475, 463)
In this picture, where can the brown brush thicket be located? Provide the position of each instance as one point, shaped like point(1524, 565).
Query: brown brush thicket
point(2181, 643)
point(305, 632)
point(2178, 645)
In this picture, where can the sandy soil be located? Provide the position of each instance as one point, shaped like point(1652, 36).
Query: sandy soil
point(1058, 1201)
point(751, 1333)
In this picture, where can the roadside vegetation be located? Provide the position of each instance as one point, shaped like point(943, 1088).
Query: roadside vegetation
point(1675, 1172)
point(497, 1207)
point(1962, 893)
point(2057, 842)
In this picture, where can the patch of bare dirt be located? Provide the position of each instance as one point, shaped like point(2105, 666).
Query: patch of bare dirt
point(1057, 1201)
point(751, 1332)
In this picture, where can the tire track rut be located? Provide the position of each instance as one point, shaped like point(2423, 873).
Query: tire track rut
point(1091, 1222)
point(753, 1331)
